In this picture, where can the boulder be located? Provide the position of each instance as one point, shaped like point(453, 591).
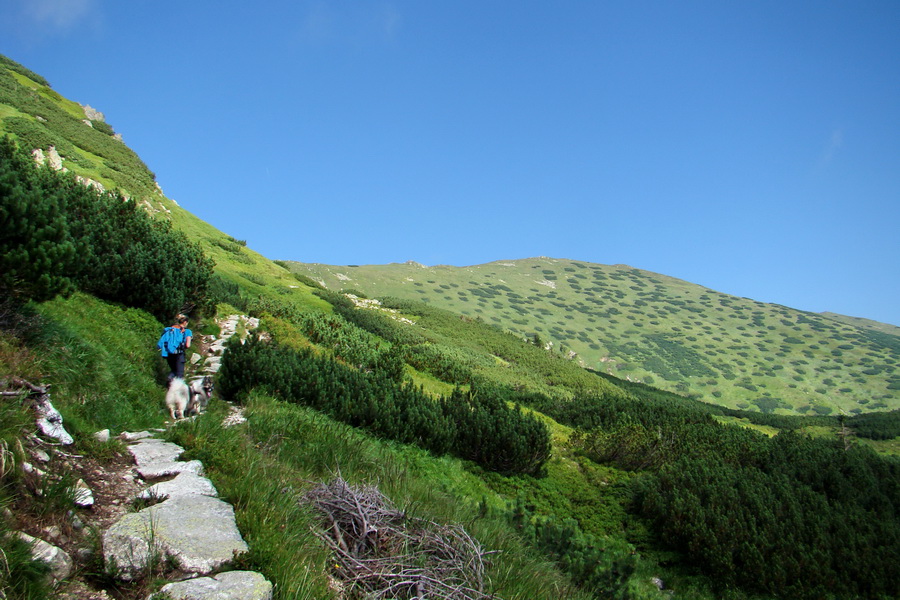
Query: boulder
point(233, 585)
point(102, 436)
point(197, 533)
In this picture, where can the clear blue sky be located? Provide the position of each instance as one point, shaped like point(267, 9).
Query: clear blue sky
point(751, 147)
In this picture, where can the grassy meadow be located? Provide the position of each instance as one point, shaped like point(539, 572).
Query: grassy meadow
point(659, 330)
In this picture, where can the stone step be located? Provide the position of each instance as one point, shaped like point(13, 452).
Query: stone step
point(191, 528)
point(231, 585)
point(197, 533)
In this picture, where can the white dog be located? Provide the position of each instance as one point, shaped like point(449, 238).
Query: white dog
point(178, 398)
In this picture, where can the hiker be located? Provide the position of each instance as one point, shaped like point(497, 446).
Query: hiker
point(172, 344)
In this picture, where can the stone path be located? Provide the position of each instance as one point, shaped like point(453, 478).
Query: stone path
point(189, 526)
point(185, 527)
point(191, 529)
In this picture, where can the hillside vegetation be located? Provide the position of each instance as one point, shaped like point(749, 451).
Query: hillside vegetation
point(659, 330)
point(582, 484)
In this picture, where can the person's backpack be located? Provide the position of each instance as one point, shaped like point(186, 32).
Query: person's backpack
point(171, 341)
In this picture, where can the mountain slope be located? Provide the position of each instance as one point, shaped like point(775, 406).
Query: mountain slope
point(657, 329)
point(624, 499)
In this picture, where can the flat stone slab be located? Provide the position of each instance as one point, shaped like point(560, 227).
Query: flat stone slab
point(186, 483)
point(164, 469)
point(233, 585)
point(156, 458)
point(197, 532)
point(152, 450)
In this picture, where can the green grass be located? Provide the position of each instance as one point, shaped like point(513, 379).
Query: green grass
point(103, 362)
point(666, 332)
point(263, 467)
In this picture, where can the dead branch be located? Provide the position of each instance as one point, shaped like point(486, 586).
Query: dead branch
point(382, 553)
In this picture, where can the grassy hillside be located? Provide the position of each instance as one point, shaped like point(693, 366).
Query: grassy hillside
point(659, 330)
point(337, 384)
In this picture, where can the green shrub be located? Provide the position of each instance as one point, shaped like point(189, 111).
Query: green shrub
point(123, 255)
point(37, 253)
point(476, 426)
point(14, 66)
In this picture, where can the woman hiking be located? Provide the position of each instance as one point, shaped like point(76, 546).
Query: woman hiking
point(172, 344)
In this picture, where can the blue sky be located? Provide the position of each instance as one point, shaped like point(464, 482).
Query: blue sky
point(751, 147)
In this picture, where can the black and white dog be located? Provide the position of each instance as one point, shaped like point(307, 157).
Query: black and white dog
point(201, 391)
point(184, 399)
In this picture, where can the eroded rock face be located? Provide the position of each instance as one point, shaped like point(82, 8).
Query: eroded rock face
point(92, 113)
point(197, 533)
point(54, 159)
point(233, 585)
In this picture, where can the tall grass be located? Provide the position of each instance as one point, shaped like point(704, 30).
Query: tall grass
point(102, 363)
point(264, 466)
point(21, 578)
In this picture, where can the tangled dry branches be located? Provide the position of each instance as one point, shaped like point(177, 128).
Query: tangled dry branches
point(382, 553)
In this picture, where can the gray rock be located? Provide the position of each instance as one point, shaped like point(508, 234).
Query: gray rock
point(92, 113)
point(129, 436)
point(30, 469)
point(164, 469)
point(217, 347)
point(77, 523)
point(54, 159)
point(156, 458)
point(151, 450)
point(60, 562)
point(198, 533)
point(185, 484)
point(88, 182)
point(49, 421)
point(102, 436)
point(82, 494)
point(233, 585)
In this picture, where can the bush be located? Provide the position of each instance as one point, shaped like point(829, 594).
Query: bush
point(476, 426)
point(62, 234)
point(37, 253)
